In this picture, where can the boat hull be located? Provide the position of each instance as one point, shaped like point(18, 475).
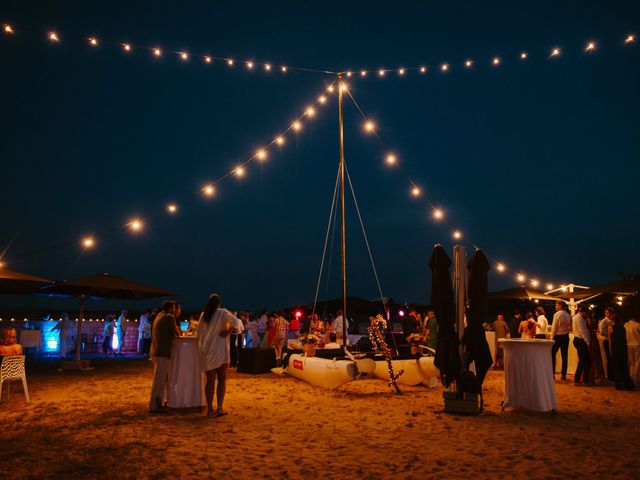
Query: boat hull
point(321, 372)
point(416, 371)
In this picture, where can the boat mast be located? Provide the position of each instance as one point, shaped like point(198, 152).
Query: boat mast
point(342, 217)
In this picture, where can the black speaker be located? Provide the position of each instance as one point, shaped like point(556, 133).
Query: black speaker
point(256, 360)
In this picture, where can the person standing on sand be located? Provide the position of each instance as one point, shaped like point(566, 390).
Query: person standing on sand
point(144, 319)
point(603, 333)
point(501, 329)
point(632, 328)
point(120, 330)
point(280, 326)
point(619, 354)
point(581, 339)
point(541, 323)
point(216, 324)
point(431, 329)
point(164, 331)
point(560, 328)
point(107, 332)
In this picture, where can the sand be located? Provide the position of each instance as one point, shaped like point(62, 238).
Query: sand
point(95, 425)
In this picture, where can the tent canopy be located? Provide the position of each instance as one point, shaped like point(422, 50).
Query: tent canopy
point(521, 293)
point(628, 286)
point(105, 286)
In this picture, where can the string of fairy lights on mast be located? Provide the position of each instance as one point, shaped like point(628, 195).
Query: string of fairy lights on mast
point(208, 190)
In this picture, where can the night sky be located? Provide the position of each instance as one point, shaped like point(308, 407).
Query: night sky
point(536, 162)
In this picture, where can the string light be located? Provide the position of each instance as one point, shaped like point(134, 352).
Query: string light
point(261, 155)
point(322, 99)
point(381, 72)
point(534, 283)
point(135, 225)
point(520, 277)
point(53, 36)
point(330, 89)
point(284, 69)
point(629, 39)
point(501, 267)
point(280, 141)
point(93, 41)
point(369, 126)
point(88, 242)
point(8, 29)
point(249, 65)
point(391, 159)
point(444, 67)
point(209, 190)
point(549, 286)
point(415, 191)
point(591, 46)
point(297, 126)
point(496, 60)
point(524, 55)
point(438, 214)
point(310, 112)
point(157, 52)
point(230, 62)
point(423, 69)
point(457, 234)
point(184, 56)
point(363, 73)
point(126, 47)
point(349, 74)
point(239, 172)
point(344, 87)
point(207, 59)
point(267, 67)
point(402, 71)
point(555, 52)
point(172, 208)
point(468, 63)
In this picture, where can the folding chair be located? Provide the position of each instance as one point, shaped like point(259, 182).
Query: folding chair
point(12, 368)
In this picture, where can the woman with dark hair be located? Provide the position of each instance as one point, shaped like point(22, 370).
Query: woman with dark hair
point(619, 354)
point(214, 328)
point(527, 328)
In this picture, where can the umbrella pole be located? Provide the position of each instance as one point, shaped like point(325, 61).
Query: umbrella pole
point(79, 339)
point(342, 217)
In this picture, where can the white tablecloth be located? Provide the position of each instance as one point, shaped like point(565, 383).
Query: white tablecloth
point(528, 379)
point(186, 379)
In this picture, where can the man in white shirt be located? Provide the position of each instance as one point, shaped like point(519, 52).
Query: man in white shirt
point(338, 324)
point(581, 340)
point(541, 323)
point(603, 333)
point(144, 319)
point(633, 346)
point(560, 327)
point(332, 341)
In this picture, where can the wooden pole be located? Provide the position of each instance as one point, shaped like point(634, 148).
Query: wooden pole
point(342, 216)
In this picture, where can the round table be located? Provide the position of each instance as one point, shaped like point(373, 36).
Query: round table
point(186, 378)
point(528, 376)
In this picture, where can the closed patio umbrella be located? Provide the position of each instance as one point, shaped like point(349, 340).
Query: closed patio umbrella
point(475, 340)
point(447, 358)
point(102, 286)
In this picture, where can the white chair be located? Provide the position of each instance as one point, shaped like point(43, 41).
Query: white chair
point(12, 368)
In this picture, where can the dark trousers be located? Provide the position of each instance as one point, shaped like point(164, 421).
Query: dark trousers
point(233, 351)
point(620, 369)
point(584, 360)
point(146, 346)
point(561, 343)
point(607, 354)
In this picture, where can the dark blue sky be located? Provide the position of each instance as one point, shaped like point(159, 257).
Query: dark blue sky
point(536, 162)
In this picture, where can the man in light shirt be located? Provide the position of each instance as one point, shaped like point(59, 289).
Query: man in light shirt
point(633, 346)
point(338, 325)
point(560, 327)
point(603, 332)
point(541, 323)
point(581, 340)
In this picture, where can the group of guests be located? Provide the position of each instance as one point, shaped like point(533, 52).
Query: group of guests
point(426, 327)
point(609, 339)
point(214, 329)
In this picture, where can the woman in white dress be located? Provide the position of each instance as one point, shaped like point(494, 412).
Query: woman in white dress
point(214, 328)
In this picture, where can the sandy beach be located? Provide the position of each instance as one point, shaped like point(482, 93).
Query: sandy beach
point(85, 424)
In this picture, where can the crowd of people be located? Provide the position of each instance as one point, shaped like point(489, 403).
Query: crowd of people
point(608, 349)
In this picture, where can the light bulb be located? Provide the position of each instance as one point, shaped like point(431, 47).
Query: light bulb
point(172, 208)
point(391, 159)
point(135, 225)
point(126, 47)
point(444, 67)
point(157, 52)
point(88, 242)
point(524, 55)
point(457, 234)
point(209, 190)
point(438, 214)
point(93, 41)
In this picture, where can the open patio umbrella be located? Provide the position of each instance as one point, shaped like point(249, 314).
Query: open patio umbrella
point(520, 293)
point(447, 358)
point(474, 339)
point(16, 283)
point(627, 286)
point(102, 286)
